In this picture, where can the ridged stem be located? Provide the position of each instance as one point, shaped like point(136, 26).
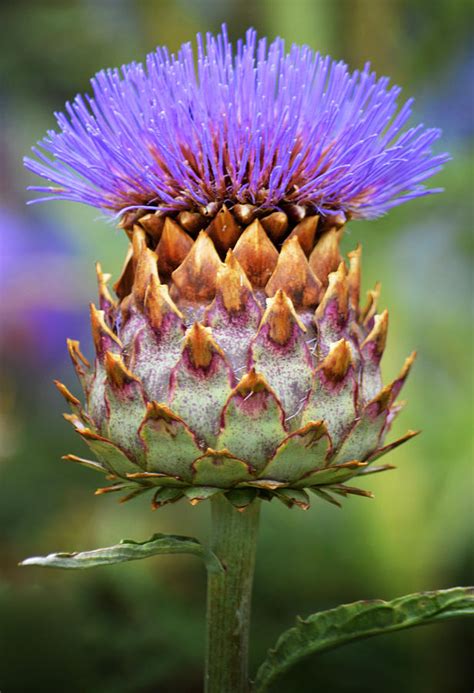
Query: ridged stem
point(229, 594)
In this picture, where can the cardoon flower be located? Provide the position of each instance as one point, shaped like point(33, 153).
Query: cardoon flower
point(236, 358)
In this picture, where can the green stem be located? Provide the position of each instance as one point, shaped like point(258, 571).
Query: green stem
point(233, 540)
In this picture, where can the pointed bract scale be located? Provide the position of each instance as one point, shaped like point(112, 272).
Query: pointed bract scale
point(353, 279)
point(367, 313)
point(103, 337)
point(171, 447)
point(372, 349)
point(293, 496)
point(232, 285)
point(153, 225)
point(80, 363)
point(173, 247)
point(252, 421)
point(300, 453)
point(241, 498)
point(392, 446)
point(333, 474)
point(73, 402)
point(195, 279)
point(96, 466)
point(192, 222)
point(235, 314)
point(156, 340)
point(334, 392)
point(326, 257)
point(244, 213)
point(373, 422)
point(126, 405)
point(109, 454)
point(123, 285)
point(146, 268)
point(224, 231)
point(305, 232)
point(293, 274)
point(165, 496)
point(278, 349)
point(256, 254)
point(296, 213)
point(399, 381)
point(331, 315)
point(160, 309)
point(106, 302)
point(197, 494)
point(275, 225)
point(220, 468)
point(200, 383)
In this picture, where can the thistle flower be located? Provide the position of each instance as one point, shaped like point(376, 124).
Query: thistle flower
point(237, 358)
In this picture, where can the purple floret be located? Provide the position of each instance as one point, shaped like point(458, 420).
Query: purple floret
point(251, 124)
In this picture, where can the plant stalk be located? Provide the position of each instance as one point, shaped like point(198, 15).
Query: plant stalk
point(229, 595)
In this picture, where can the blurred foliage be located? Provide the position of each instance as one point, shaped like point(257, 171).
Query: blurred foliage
point(137, 628)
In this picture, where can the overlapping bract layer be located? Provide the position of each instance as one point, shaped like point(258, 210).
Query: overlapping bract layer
point(252, 124)
point(247, 371)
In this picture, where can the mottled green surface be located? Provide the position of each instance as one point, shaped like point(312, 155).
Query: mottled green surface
point(415, 535)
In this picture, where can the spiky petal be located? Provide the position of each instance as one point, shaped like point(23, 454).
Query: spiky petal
point(255, 126)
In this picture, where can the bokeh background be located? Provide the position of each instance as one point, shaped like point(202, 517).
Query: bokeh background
point(140, 627)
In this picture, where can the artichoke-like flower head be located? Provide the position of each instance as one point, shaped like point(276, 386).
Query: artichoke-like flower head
point(236, 357)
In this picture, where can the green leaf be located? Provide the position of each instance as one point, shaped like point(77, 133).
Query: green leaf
point(128, 550)
point(329, 629)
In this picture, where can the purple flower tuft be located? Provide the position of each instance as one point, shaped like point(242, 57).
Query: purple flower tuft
point(252, 124)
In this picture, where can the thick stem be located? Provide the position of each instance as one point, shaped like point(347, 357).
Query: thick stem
point(229, 594)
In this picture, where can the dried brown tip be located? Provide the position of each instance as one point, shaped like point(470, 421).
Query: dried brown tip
point(244, 213)
point(173, 247)
point(223, 230)
point(252, 382)
point(337, 290)
point(296, 213)
point(378, 335)
point(353, 278)
point(326, 257)
point(257, 254)
point(369, 310)
point(153, 225)
point(281, 318)
point(102, 280)
point(123, 285)
point(305, 232)
point(275, 225)
point(101, 332)
point(158, 303)
point(68, 396)
point(200, 346)
point(406, 368)
point(146, 268)
point(116, 370)
point(157, 411)
point(196, 277)
point(338, 361)
point(294, 275)
point(78, 358)
point(232, 284)
point(138, 241)
point(192, 222)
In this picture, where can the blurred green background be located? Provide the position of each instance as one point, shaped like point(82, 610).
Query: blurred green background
point(140, 627)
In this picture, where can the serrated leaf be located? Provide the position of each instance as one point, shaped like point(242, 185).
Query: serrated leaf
point(128, 550)
point(329, 629)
